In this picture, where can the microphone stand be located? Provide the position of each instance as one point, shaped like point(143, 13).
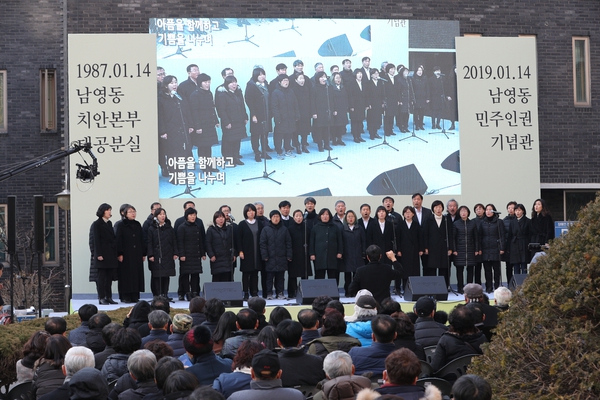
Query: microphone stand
point(188, 190)
point(446, 218)
point(328, 159)
point(384, 142)
point(232, 247)
point(443, 131)
point(413, 100)
point(306, 261)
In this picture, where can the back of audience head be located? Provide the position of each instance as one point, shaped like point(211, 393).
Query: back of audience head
point(384, 328)
point(141, 365)
point(413, 317)
point(126, 341)
point(180, 381)
point(163, 369)
point(109, 331)
point(213, 309)
point(389, 306)
point(161, 303)
point(36, 345)
point(197, 305)
point(267, 337)
point(402, 367)
point(338, 363)
point(265, 365)
point(76, 358)
point(225, 327)
point(56, 349)
point(158, 319)
point(471, 387)
point(205, 393)
point(308, 318)
point(257, 304)
point(198, 341)
point(477, 310)
point(139, 312)
point(319, 304)
point(247, 350)
point(159, 348)
point(404, 326)
point(278, 314)
point(88, 383)
point(247, 319)
point(335, 305)
point(333, 324)
point(56, 326)
point(441, 316)
point(86, 311)
point(99, 321)
point(502, 296)
point(289, 333)
point(461, 320)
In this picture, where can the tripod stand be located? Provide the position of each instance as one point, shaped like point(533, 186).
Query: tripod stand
point(384, 142)
point(265, 175)
point(443, 131)
point(328, 159)
point(245, 39)
point(412, 101)
point(329, 122)
point(291, 28)
point(179, 52)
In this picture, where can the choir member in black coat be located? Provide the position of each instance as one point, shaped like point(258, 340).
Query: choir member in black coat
point(248, 238)
point(381, 233)
point(220, 248)
point(438, 242)
point(404, 106)
point(326, 246)
point(131, 254)
point(409, 244)
point(479, 215)
point(376, 101)
point(437, 97)
point(232, 112)
point(466, 246)
point(353, 256)
point(519, 234)
point(421, 97)
point(299, 267)
point(302, 92)
point(285, 110)
point(392, 100)
point(204, 120)
point(190, 243)
point(358, 91)
point(322, 111)
point(105, 253)
point(542, 225)
point(257, 99)
point(162, 253)
point(492, 247)
point(341, 99)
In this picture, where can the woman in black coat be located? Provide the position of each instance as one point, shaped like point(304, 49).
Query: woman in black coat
point(105, 253)
point(257, 99)
point(375, 101)
point(542, 225)
point(392, 100)
point(354, 248)
point(403, 107)
point(132, 254)
point(340, 96)
point(302, 91)
point(466, 246)
point(248, 239)
point(162, 253)
point(492, 247)
point(220, 248)
point(519, 234)
point(191, 253)
point(384, 238)
point(204, 120)
point(232, 111)
point(174, 125)
point(322, 111)
point(421, 97)
point(299, 267)
point(479, 216)
point(438, 242)
point(285, 110)
point(409, 243)
point(357, 92)
point(326, 246)
point(276, 252)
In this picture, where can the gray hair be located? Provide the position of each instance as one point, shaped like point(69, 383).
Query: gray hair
point(337, 363)
point(450, 201)
point(340, 202)
point(258, 203)
point(141, 364)
point(360, 312)
point(158, 319)
point(77, 358)
point(502, 295)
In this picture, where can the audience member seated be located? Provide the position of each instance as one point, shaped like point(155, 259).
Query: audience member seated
point(267, 337)
point(158, 321)
point(76, 358)
point(478, 315)
point(77, 335)
point(474, 293)
point(266, 380)
point(141, 365)
point(309, 319)
point(125, 342)
point(406, 335)
point(163, 369)
point(258, 305)
point(181, 324)
point(225, 329)
point(333, 336)
point(299, 368)
point(197, 310)
point(180, 385)
point(388, 306)
point(205, 393)
point(56, 326)
point(341, 382)
point(502, 297)
point(138, 315)
point(33, 350)
point(89, 384)
point(277, 315)
point(158, 303)
point(359, 324)
point(462, 338)
point(471, 387)
point(207, 366)
point(319, 304)
point(372, 358)
point(159, 348)
point(336, 305)
point(107, 334)
point(247, 328)
point(427, 331)
point(213, 309)
point(239, 379)
point(48, 373)
point(93, 339)
point(441, 317)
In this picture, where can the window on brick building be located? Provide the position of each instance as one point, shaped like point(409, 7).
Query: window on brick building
point(3, 107)
point(48, 99)
point(50, 234)
point(581, 71)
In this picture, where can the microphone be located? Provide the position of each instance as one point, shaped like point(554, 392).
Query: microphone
point(231, 217)
point(442, 74)
point(174, 93)
point(383, 79)
point(496, 212)
point(305, 214)
point(156, 221)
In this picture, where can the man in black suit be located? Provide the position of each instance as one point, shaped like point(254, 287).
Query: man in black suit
point(366, 69)
point(422, 214)
point(375, 276)
point(187, 87)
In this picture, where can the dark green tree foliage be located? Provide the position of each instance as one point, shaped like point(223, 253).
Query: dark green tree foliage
point(547, 345)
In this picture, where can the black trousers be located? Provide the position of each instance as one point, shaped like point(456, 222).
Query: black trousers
point(279, 278)
point(348, 276)
point(159, 286)
point(493, 275)
point(292, 286)
point(223, 277)
point(460, 276)
point(509, 271)
point(331, 274)
point(188, 283)
point(250, 282)
point(104, 283)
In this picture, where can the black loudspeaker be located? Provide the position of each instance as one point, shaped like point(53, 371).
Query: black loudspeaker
point(308, 290)
point(430, 286)
point(229, 292)
point(404, 180)
point(516, 281)
point(11, 225)
point(38, 223)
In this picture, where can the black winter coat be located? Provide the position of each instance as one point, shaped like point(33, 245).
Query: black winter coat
point(325, 244)
point(219, 244)
point(115, 366)
point(251, 248)
point(174, 119)
point(421, 90)
point(358, 99)
point(466, 242)
point(258, 106)
point(542, 228)
point(438, 240)
point(303, 97)
point(285, 110)
point(275, 247)
point(428, 331)
point(322, 103)
point(105, 244)
point(299, 267)
point(341, 100)
point(492, 238)
point(190, 244)
point(231, 110)
point(519, 234)
point(452, 346)
point(130, 245)
point(204, 116)
point(354, 249)
point(162, 245)
point(404, 93)
point(392, 94)
point(436, 93)
point(385, 239)
point(409, 244)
